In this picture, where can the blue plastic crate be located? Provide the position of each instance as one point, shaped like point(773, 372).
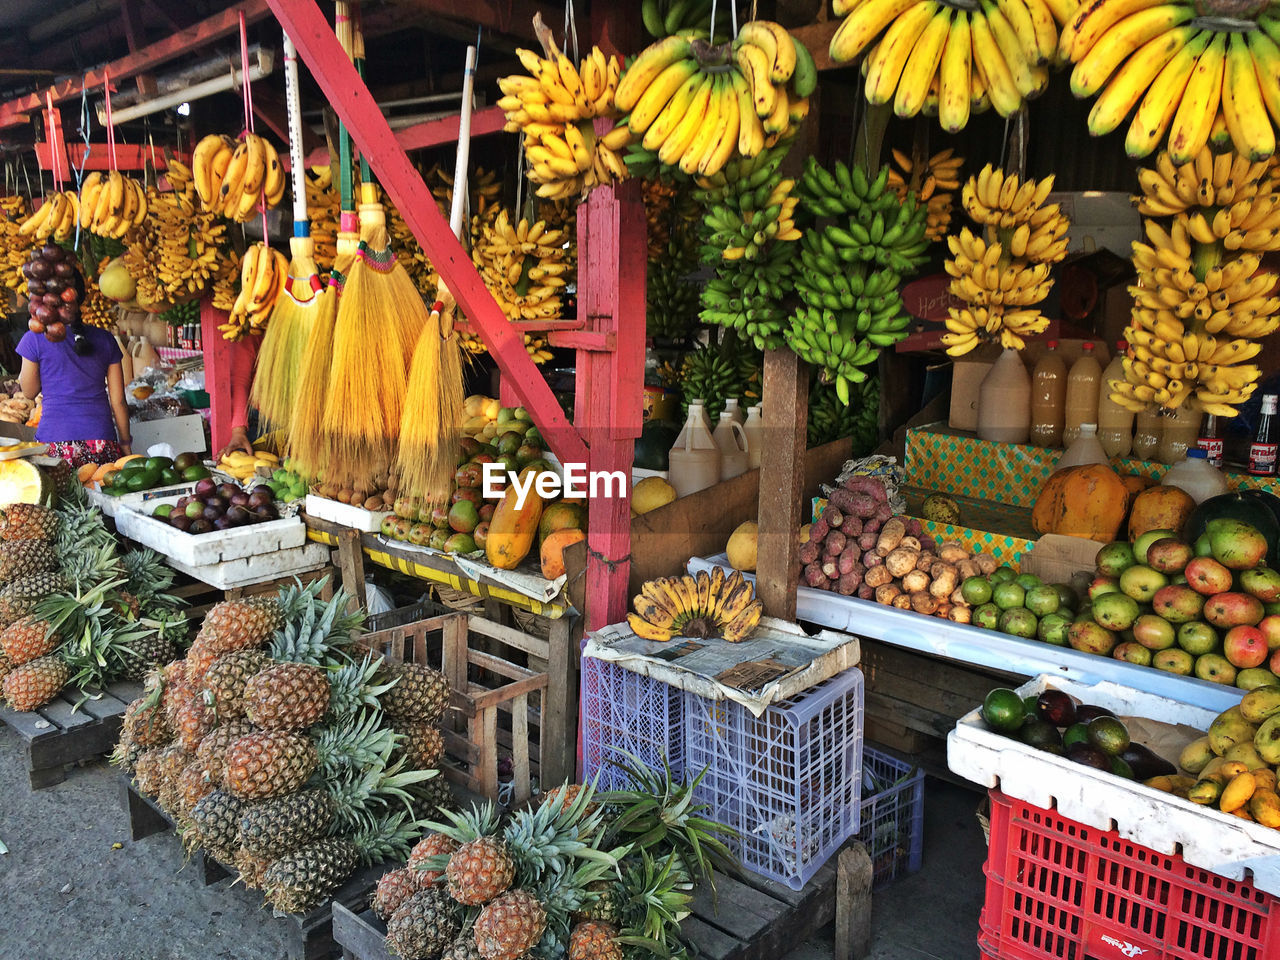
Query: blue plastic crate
point(789, 781)
point(892, 822)
point(627, 713)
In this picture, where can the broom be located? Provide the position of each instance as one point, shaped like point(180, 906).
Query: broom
point(431, 427)
point(279, 369)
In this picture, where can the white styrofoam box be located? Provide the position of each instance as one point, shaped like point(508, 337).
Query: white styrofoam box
point(987, 648)
point(206, 548)
point(1204, 837)
point(256, 569)
point(138, 500)
point(185, 434)
point(344, 514)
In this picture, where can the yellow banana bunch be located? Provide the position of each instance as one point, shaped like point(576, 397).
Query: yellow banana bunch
point(111, 204)
point(55, 218)
point(176, 250)
point(263, 274)
point(1200, 80)
point(237, 177)
point(97, 310)
point(323, 210)
point(223, 286)
point(1201, 303)
point(932, 182)
point(702, 606)
point(931, 57)
point(14, 247)
point(524, 266)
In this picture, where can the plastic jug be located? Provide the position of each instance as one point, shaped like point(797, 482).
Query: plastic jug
point(731, 406)
point(1147, 430)
point(1004, 401)
point(1084, 449)
point(1197, 476)
point(1181, 431)
point(732, 440)
point(755, 436)
point(1082, 394)
point(1048, 398)
point(126, 359)
point(694, 460)
point(1115, 423)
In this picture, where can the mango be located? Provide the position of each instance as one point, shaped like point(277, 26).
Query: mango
point(1267, 740)
point(1265, 807)
point(1196, 755)
point(1237, 792)
point(1228, 729)
point(1207, 791)
point(1265, 778)
point(1247, 754)
point(1260, 703)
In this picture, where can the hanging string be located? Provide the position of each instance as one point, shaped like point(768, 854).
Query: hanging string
point(248, 110)
point(111, 129)
point(733, 16)
point(54, 139)
point(711, 28)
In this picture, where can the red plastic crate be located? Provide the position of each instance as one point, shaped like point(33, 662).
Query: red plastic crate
point(1060, 890)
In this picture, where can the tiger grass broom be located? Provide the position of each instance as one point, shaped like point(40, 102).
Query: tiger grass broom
point(431, 426)
point(305, 300)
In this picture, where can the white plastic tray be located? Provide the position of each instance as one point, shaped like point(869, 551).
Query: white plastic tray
point(206, 548)
point(1204, 837)
point(256, 569)
point(344, 514)
point(990, 648)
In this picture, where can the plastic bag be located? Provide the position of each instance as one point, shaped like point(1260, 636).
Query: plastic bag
point(884, 469)
point(377, 600)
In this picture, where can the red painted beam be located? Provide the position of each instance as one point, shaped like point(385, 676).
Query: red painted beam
point(132, 156)
point(355, 106)
point(430, 133)
point(183, 43)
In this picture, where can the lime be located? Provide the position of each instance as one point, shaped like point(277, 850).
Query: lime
point(976, 591)
point(163, 510)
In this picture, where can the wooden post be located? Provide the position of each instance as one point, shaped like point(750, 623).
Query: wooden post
point(785, 398)
point(853, 903)
point(217, 374)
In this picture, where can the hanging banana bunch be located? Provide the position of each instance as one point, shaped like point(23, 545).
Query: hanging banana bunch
point(1201, 304)
point(694, 106)
point(14, 248)
point(235, 177)
point(859, 419)
point(224, 287)
point(662, 18)
point(715, 372)
point(951, 61)
point(1202, 72)
point(524, 266)
point(553, 109)
point(932, 182)
point(111, 205)
point(1004, 272)
point(97, 310)
point(323, 208)
point(55, 218)
point(485, 191)
point(263, 275)
point(850, 271)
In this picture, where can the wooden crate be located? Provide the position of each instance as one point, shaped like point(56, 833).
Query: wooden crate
point(311, 934)
point(200, 597)
point(511, 693)
point(65, 731)
point(748, 917)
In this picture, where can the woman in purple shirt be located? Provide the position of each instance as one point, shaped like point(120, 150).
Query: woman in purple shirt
point(85, 418)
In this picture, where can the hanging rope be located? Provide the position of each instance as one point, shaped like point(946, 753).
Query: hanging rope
point(248, 108)
point(111, 130)
point(571, 27)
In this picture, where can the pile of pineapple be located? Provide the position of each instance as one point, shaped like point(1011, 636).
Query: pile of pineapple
point(74, 609)
point(285, 750)
point(582, 876)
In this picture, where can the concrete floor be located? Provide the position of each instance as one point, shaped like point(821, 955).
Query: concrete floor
point(73, 885)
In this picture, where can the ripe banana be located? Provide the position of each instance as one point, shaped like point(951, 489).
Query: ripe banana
point(237, 178)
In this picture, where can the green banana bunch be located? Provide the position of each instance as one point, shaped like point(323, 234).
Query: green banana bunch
point(671, 300)
point(662, 18)
point(716, 372)
point(829, 419)
point(183, 313)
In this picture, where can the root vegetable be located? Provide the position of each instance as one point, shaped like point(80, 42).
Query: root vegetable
point(925, 561)
point(943, 608)
point(867, 541)
point(952, 552)
point(911, 543)
point(848, 584)
point(986, 563)
point(891, 535)
point(903, 601)
point(913, 527)
point(869, 486)
point(833, 516)
point(831, 568)
point(871, 559)
point(959, 614)
point(813, 575)
point(884, 513)
point(860, 505)
point(922, 602)
point(915, 581)
point(968, 568)
point(958, 599)
point(834, 545)
point(851, 527)
point(946, 578)
point(866, 592)
point(900, 562)
point(886, 593)
point(928, 543)
point(871, 526)
point(848, 560)
point(810, 551)
point(818, 529)
point(878, 576)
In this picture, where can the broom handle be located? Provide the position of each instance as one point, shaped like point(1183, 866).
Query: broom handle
point(464, 146)
point(342, 27)
point(293, 101)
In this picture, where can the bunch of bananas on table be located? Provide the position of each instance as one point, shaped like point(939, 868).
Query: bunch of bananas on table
point(1201, 304)
point(553, 108)
point(850, 271)
point(1002, 274)
point(696, 105)
point(524, 267)
point(932, 181)
point(662, 18)
point(859, 419)
point(951, 60)
point(749, 237)
point(56, 218)
point(705, 606)
point(236, 177)
point(1185, 70)
point(177, 249)
point(714, 372)
point(14, 248)
point(263, 275)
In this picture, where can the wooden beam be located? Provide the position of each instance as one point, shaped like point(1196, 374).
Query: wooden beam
point(183, 43)
point(131, 156)
point(346, 92)
point(785, 396)
point(134, 35)
point(514, 18)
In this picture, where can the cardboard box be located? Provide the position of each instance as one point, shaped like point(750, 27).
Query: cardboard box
point(185, 434)
point(1056, 558)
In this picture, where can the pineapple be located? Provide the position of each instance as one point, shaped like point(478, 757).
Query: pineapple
point(464, 948)
point(564, 797)
point(5, 667)
point(193, 786)
point(31, 685)
point(394, 888)
point(226, 678)
point(146, 724)
point(27, 639)
point(269, 763)
point(593, 940)
point(215, 825)
point(173, 761)
point(22, 558)
point(252, 867)
point(19, 598)
point(146, 772)
point(317, 629)
point(604, 903)
point(273, 827)
point(432, 845)
point(509, 926)
point(479, 870)
point(146, 653)
point(423, 925)
point(28, 521)
point(420, 694)
point(436, 796)
point(212, 752)
point(193, 722)
point(233, 625)
point(299, 881)
point(81, 533)
point(421, 744)
point(354, 686)
point(287, 696)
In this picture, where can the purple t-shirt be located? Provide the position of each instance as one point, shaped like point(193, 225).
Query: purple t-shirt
point(76, 405)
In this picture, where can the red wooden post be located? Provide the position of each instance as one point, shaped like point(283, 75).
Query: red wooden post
point(612, 255)
point(217, 374)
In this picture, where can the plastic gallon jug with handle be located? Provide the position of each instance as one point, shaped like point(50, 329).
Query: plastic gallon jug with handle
point(694, 460)
point(734, 445)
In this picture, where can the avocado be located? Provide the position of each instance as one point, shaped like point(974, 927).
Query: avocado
point(1004, 710)
point(1056, 707)
point(158, 463)
point(195, 472)
point(1039, 733)
point(170, 476)
point(1087, 712)
point(1088, 756)
point(142, 480)
point(1076, 733)
point(1109, 735)
point(1122, 769)
point(1145, 764)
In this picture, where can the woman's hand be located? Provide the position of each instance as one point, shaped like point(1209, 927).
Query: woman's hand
point(239, 441)
point(126, 449)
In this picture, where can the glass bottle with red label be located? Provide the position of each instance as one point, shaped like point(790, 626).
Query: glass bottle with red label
point(1262, 452)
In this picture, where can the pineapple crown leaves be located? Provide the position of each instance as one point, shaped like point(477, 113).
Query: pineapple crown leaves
point(550, 838)
point(377, 786)
point(314, 630)
point(169, 624)
point(357, 742)
point(657, 895)
point(464, 826)
point(352, 686)
point(148, 576)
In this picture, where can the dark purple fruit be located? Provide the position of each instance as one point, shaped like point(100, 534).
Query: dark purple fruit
point(206, 486)
point(41, 270)
point(1057, 708)
point(1088, 756)
point(237, 515)
point(64, 270)
point(54, 285)
point(52, 252)
point(35, 326)
point(263, 489)
point(200, 525)
point(1087, 713)
point(212, 513)
point(56, 332)
point(239, 499)
point(42, 312)
point(1146, 764)
point(68, 313)
point(265, 512)
point(259, 499)
point(180, 521)
point(35, 288)
point(51, 300)
point(227, 490)
point(223, 523)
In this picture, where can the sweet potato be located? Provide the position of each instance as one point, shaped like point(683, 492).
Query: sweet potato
point(848, 584)
point(861, 505)
point(871, 559)
point(946, 578)
point(910, 542)
point(903, 601)
point(819, 528)
point(891, 535)
point(867, 541)
point(866, 592)
point(959, 614)
point(842, 500)
point(942, 609)
point(900, 562)
point(866, 485)
point(851, 527)
point(810, 551)
point(834, 545)
point(884, 512)
point(886, 593)
point(915, 581)
point(928, 543)
point(871, 526)
point(813, 575)
point(833, 516)
point(986, 563)
point(913, 527)
point(831, 568)
point(922, 602)
point(878, 576)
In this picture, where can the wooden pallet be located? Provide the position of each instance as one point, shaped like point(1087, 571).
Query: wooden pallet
point(61, 733)
point(750, 918)
point(311, 934)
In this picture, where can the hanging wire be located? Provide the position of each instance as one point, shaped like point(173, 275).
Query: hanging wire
point(1004, 142)
point(711, 28)
point(111, 127)
point(570, 28)
point(733, 17)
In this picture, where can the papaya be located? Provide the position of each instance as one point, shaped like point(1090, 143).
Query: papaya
point(513, 529)
point(553, 548)
point(1135, 483)
point(1086, 501)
